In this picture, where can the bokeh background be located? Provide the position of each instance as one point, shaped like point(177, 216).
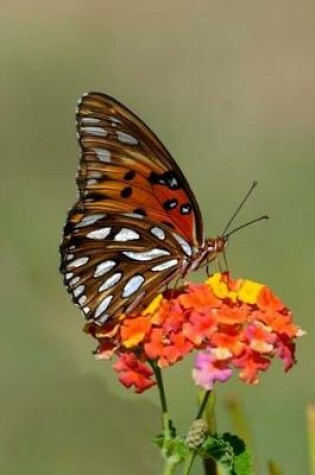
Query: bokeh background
point(229, 86)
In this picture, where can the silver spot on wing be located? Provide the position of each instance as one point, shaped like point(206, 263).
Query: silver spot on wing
point(89, 120)
point(164, 265)
point(110, 282)
point(82, 300)
point(126, 234)
point(123, 137)
point(102, 154)
point(91, 181)
point(184, 244)
point(91, 219)
point(99, 234)
point(158, 232)
point(97, 131)
point(78, 290)
point(133, 215)
point(104, 267)
point(78, 262)
point(103, 305)
point(74, 281)
point(114, 120)
point(146, 255)
point(133, 285)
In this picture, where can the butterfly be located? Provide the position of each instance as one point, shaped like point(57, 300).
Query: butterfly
point(136, 225)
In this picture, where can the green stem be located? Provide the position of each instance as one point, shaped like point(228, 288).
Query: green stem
point(159, 380)
point(203, 404)
point(170, 466)
point(160, 384)
point(189, 463)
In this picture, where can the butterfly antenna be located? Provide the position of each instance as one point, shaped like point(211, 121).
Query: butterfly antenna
point(240, 206)
point(245, 225)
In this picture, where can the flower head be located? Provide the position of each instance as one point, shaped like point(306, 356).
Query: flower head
point(237, 325)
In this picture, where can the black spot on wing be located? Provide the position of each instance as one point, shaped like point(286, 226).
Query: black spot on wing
point(129, 175)
point(169, 179)
point(170, 204)
point(126, 192)
point(140, 211)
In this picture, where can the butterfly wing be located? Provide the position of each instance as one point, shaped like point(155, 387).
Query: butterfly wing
point(114, 263)
point(125, 168)
point(136, 224)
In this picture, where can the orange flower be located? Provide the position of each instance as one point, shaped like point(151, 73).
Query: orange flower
point(200, 327)
point(260, 337)
point(133, 331)
point(230, 341)
point(200, 297)
point(232, 315)
point(154, 347)
point(250, 364)
point(178, 348)
point(268, 301)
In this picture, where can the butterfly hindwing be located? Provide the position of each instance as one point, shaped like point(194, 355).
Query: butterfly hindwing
point(113, 263)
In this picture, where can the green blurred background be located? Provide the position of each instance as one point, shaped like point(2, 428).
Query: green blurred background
point(229, 86)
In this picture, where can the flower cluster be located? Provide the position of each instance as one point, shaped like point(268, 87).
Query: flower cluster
point(235, 324)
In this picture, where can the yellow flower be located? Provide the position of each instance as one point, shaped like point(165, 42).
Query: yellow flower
point(220, 288)
point(249, 291)
point(153, 306)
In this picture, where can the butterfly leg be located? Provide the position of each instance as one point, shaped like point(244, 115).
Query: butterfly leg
point(208, 269)
point(173, 291)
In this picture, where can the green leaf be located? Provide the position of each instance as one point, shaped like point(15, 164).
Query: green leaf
point(230, 452)
point(218, 449)
point(176, 446)
point(158, 440)
point(243, 463)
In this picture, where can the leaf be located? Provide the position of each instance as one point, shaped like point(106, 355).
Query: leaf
point(243, 463)
point(219, 450)
point(158, 440)
point(230, 452)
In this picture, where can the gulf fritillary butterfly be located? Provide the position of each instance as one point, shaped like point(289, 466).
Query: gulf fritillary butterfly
point(136, 224)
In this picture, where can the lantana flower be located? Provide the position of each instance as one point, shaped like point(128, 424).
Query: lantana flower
point(235, 325)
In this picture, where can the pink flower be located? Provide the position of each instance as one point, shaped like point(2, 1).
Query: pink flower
point(208, 370)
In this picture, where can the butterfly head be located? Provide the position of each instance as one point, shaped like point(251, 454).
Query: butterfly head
point(215, 246)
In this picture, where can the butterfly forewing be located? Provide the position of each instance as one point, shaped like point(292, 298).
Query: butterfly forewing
point(136, 224)
point(125, 167)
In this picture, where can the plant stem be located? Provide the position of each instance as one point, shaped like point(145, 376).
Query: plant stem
point(160, 384)
point(203, 404)
point(169, 467)
point(189, 463)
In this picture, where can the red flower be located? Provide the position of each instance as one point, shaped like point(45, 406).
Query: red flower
point(250, 364)
point(133, 373)
point(200, 327)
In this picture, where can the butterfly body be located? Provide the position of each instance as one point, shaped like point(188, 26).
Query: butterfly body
point(136, 225)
